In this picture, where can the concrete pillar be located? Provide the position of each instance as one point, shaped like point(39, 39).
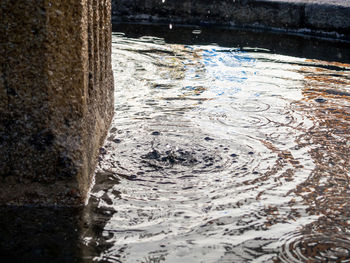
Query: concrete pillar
point(56, 98)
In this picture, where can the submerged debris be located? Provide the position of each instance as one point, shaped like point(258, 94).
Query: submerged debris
point(170, 157)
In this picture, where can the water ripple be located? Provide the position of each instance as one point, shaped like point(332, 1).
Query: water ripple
point(222, 154)
point(322, 247)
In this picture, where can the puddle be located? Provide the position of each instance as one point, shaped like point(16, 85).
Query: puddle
point(222, 154)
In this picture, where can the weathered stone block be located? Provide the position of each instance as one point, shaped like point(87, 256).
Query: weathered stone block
point(330, 17)
point(56, 98)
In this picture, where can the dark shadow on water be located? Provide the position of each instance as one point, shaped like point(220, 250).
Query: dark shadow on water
point(52, 234)
point(37, 234)
point(94, 221)
point(291, 45)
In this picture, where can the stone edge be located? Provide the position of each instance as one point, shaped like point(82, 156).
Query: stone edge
point(311, 18)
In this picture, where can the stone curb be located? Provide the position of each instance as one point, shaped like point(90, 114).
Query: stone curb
point(322, 18)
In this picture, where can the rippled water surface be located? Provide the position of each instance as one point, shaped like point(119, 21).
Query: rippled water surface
point(222, 154)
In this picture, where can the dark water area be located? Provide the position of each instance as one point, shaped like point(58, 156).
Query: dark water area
point(283, 44)
point(226, 146)
point(41, 234)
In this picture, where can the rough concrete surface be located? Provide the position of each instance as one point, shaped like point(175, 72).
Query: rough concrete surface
point(56, 98)
point(324, 18)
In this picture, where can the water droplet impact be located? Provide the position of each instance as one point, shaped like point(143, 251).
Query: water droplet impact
point(317, 247)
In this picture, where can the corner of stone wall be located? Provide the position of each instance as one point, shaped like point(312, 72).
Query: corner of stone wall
point(56, 98)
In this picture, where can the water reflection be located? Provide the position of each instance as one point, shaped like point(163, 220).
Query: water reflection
point(326, 190)
point(222, 155)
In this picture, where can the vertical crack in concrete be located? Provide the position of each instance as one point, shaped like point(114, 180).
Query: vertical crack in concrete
point(5, 117)
point(4, 77)
point(4, 64)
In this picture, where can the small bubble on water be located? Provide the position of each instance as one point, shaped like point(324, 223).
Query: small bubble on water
point(320, 100)
point(196, 31)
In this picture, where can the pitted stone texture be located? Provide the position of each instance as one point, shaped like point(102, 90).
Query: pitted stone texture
point(328, 17)
point(325, 18)
point(56, 98)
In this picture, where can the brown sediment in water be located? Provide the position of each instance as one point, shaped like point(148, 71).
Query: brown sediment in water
point(326, 192)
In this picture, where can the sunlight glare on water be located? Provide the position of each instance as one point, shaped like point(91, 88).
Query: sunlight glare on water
point(221, 154)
